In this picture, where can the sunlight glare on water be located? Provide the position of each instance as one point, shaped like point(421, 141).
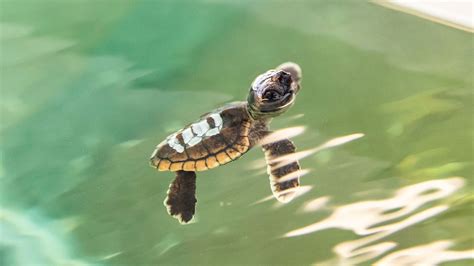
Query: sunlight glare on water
point(363, 217)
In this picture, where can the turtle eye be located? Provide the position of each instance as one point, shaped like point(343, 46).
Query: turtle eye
point(285, 79)
point(271, 95)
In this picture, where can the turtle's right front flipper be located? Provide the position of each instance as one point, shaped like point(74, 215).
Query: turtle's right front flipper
point(284, 177)
point(181, 199)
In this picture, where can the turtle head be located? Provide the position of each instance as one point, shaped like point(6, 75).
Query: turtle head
point(274, 91)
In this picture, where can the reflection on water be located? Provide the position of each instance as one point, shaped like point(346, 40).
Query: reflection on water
point(299, 192)
point(282, 134)
point(378, 219)
point(315, 204)
point(297, 156)
point(429, 254)
point(286, 159)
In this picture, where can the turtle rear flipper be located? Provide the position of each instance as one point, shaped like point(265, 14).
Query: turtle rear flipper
point(284, 179)
point(181, 199)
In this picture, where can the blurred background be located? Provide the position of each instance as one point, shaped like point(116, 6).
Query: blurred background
point(88, 88)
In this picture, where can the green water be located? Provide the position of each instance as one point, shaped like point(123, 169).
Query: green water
point(88, 88)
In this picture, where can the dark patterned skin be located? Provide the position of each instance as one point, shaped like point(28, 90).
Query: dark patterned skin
point(225, 134)
point(274, 150)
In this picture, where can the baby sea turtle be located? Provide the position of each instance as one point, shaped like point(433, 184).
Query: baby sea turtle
point(225, 134)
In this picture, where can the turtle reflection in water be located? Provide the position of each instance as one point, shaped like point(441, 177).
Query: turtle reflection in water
point(225, 134)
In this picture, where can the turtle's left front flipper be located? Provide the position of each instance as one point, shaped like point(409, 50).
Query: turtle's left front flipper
point(284, 176)
point(181, 199)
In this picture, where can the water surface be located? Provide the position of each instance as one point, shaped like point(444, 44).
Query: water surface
point(89, 88)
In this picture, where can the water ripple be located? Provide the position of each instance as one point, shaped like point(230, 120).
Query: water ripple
point(417, 255)
point(377, 219)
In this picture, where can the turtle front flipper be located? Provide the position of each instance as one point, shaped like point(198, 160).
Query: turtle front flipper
point(181, 199)
point(284, 177)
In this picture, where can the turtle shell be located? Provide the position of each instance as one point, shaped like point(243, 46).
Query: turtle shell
point(217, 138)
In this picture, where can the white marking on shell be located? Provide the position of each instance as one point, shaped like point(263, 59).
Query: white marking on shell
point(212, 132)
point(178, 148)
point(200, 128)
point(173, 142)
point(217, 120)
point(187, 135)
point(194, 141)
